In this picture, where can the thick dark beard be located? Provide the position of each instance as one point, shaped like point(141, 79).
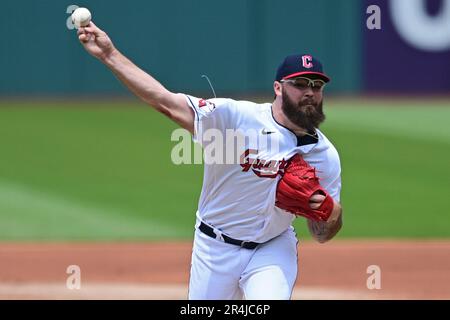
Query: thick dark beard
point(306, 114)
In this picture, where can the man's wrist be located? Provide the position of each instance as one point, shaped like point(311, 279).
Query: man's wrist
point(324, 231)
point(111, 58)
point(335, 213)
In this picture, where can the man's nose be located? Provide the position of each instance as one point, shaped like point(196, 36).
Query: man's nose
point(308, 92)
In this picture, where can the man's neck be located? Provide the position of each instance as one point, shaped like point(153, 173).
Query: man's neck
point(281, 118)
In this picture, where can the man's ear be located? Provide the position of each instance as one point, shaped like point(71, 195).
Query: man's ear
point(277, 88)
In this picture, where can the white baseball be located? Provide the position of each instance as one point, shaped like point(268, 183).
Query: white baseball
point(81, 17)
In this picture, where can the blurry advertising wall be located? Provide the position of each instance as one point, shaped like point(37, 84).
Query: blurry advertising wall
point(410, 53)
point(238, 44)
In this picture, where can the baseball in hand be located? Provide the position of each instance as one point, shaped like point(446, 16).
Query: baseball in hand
point(81, 17)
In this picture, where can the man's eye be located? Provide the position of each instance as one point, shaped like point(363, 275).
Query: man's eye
point(301, 84)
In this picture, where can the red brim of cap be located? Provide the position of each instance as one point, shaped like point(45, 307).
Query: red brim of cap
point(304, 73)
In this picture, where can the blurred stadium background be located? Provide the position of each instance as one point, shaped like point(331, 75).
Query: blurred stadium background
point(82, 159)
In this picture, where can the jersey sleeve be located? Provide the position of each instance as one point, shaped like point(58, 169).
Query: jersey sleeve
point(332, 183)
point(334, 188)
point(217, 114)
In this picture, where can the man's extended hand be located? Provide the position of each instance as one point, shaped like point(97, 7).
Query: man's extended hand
point(95, 41)
point(143, 85)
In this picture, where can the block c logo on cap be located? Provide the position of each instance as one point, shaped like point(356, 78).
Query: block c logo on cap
point(307, 61)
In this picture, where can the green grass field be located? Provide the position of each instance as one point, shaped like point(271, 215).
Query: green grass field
point(92, 173)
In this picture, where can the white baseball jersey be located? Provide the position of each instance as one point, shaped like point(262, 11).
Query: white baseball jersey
point(238, 197)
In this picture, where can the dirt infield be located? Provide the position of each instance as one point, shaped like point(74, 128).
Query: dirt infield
point(336, 270)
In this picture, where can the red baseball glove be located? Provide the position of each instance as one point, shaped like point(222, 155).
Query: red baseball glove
point(295, 188)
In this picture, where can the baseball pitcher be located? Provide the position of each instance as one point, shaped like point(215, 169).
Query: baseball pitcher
point(244, 243)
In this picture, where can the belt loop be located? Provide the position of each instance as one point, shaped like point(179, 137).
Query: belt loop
point(218, 234)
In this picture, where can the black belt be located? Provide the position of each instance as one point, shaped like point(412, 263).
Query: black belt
point(243, 244)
